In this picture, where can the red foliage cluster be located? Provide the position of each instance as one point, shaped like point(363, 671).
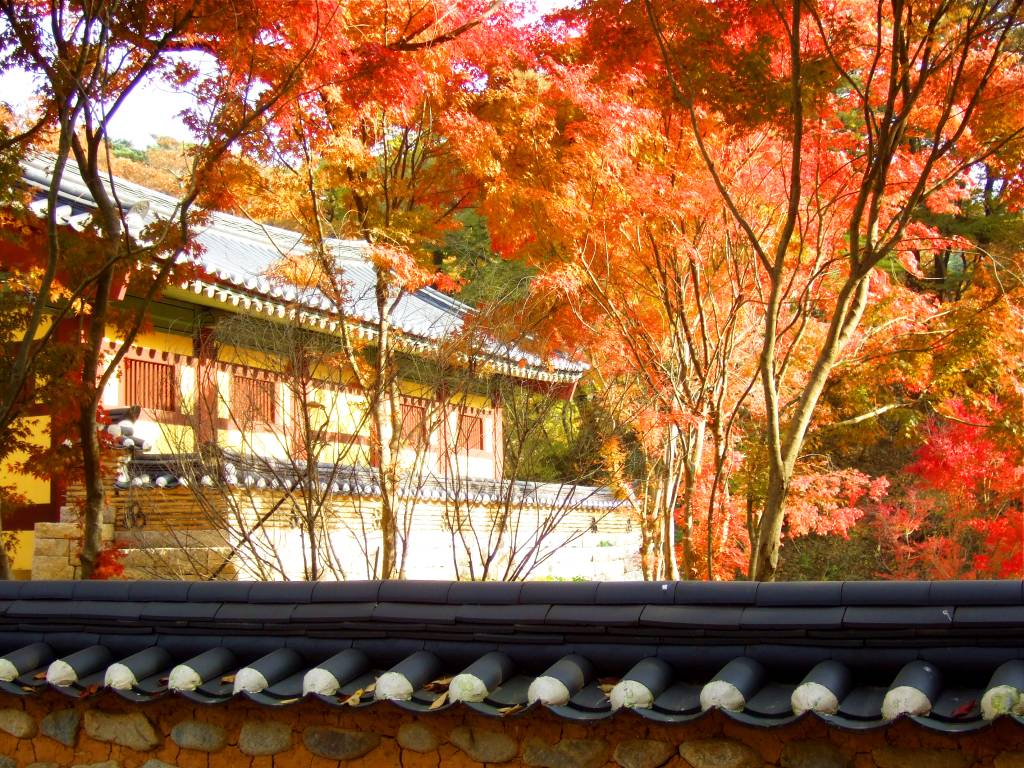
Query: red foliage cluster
point(962, 514)
point(109, 563)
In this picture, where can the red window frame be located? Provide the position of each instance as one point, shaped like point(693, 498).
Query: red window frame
point(150, 384)
point(470, 436)
point(254, 399)
point(414, 424)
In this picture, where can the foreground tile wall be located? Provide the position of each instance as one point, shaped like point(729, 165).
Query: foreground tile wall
point(51, 731)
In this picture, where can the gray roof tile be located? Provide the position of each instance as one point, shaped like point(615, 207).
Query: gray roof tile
point(432, 630)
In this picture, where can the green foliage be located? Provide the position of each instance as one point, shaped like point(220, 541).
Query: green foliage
point(124, 148)
point(467, 253)
point(831, 558)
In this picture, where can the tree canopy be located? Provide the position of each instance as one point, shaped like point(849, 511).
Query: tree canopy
point(786, 237)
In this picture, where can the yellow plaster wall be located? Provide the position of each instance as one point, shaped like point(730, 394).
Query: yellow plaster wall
point(170, 438)
point(165, 342)
point(229, 353)
point(36, 490)
point(23, 548)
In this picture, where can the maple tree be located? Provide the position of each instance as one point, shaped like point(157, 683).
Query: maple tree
point(88, 60)
point(642, 271)
point(824, 132)
point(254, 73)
point(738, 211)
point(389, 161)
point(960, 514)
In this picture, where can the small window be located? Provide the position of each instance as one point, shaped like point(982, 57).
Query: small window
point(471, 433)
point(150, 385)
point(253, 399)
point(414, 424)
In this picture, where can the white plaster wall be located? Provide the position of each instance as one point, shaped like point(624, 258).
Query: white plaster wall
point(432, 555)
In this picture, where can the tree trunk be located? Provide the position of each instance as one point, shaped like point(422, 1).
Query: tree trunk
point(668, 556)
point(95, 498)
point(5, 563)
point(765, 562)
point(92, 458)
point(785, 449)
point(386, 404)
point(386, 473)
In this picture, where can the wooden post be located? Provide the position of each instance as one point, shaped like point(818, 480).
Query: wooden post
point(205, 349)
point(499, 438)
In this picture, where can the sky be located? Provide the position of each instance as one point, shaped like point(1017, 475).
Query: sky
point(153, 109)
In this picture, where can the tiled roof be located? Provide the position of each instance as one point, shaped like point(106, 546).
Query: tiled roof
point(175, 470)
point(856, 654)
point(236, 254)
point(119, 423)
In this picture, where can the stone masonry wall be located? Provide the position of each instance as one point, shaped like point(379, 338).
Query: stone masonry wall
point(167, 533)
point(104, 731)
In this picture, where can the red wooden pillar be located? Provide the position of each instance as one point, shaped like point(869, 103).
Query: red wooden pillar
point(499, 438)
point(205, 349)
point(445, 450)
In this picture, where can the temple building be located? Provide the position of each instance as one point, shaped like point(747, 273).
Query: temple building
point(231, 457)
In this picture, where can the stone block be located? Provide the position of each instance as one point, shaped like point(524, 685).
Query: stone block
point(52, 548)
point(643, 753)
point(57, 531)
point(339, 744)
point(62, 726)
point(200, 736)
point(52, 568)
point(812, 754)
point(7, 762)
point(154, 763)
point(104, 764)
point(905, 757)
point(417, 738)
point(483, 745)
point(132, 730)
point(41, 765)
point(719, 753)
point(567, 753)
point(18, 723)
point(264, 737)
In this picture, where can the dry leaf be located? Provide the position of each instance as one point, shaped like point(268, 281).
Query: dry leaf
point(371, 687)
point(439, 701)
point(353, 700)
point(28, 688)
point(443, 682)
point(39, 676)
point(287, 701)
point(606, 687)
point(228, 679)
point(510, 710)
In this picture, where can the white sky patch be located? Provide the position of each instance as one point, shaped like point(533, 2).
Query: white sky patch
point(153, 109)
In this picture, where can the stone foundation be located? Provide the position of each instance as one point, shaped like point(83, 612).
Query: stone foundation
point(168, 534)
point(104, 731)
